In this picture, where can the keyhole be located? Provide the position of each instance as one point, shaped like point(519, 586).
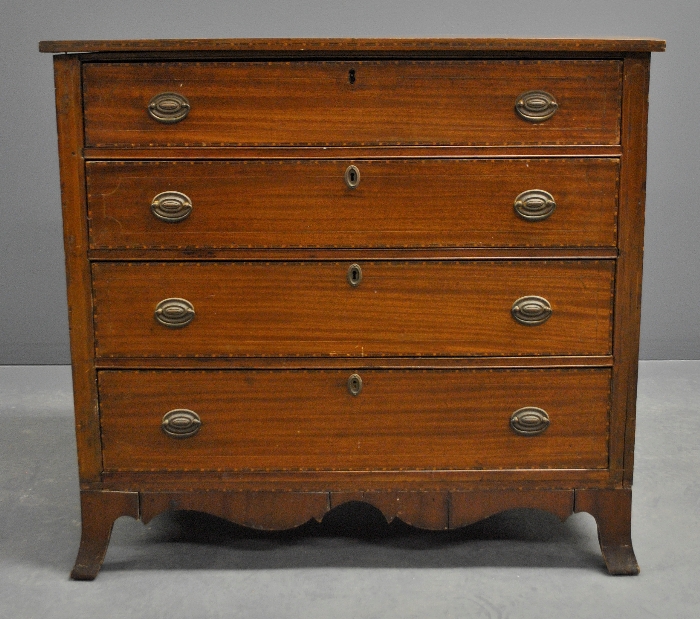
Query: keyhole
point(352, 176)
point(354, 275)
point(354, 384)
point(351, 76)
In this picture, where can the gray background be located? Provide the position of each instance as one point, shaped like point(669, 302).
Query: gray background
point(33, 316)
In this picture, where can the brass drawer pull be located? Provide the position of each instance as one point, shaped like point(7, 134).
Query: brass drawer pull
point(355, 384)
point(354, 275)
point(529, 421)
point(181, 423)
point(171, 206)
point(174, 313)
point(534, 205)
point(352, 176)
point(531, 311)
point(536, 106)
point(168, 107)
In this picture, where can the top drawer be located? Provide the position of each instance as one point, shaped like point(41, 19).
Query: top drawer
point(351, 103)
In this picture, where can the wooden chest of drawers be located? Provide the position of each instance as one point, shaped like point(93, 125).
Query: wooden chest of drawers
point(305, 272)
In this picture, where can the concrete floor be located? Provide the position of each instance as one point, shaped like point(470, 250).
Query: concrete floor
point(519, 564)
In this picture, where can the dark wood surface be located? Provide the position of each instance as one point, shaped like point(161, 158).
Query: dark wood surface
point(628, 290)
point(377, 363)
point(431, 125)
point(427, 509)
point(355, 254)
point(299, 153)
point(308, 204)
point(350, 46)
point(99, 510)
point(612, 509)
point(69, 122)
point(257, 510)
point(309, 308)
point(353, 481)
point(397, 102)
point(438, 420)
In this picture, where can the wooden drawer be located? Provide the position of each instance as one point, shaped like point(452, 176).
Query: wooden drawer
point(310, 308)
point(352, 103)
point(407, 419)
point(397, 203)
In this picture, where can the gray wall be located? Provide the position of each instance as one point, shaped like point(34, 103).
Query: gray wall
point(33, 317)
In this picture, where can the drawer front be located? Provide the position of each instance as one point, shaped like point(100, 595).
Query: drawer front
point(396, 203)
point(350, 103)
point(322, 308)
point(403, 419)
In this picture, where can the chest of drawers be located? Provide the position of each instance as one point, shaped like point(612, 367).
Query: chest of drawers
point(306, 272)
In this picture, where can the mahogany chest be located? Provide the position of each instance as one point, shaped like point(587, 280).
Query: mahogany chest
point(305, 272)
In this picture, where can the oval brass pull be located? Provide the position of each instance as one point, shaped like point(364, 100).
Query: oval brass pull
point(354, 275)
point(534, 205)
point(168, 107)
point(352, 176)
point(181, 423)
point(536, 106)
point(531, 311)
point(171, 206)
point(355, 384)
point(529, 421)
point(174, 313)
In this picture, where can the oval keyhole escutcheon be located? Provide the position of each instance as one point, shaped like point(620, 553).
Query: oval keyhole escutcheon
point(352, 176)
point(354, 275)
point(351, 76)
point(355, 384)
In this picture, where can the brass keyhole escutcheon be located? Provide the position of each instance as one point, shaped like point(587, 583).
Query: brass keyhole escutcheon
point(355, 384)
point(352, 176)
point(354, 275)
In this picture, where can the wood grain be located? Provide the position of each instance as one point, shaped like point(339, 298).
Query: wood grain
point(308, 308)
point(99, 510)
point(424, 254)
point(471, 506)
point(390, 102)
point(276, 204)
point(440, 419)
point(257, 510)
point(612, 510)
point(69, 120)
point(628, 289)
point(294, 153)
point(354, 481)
point(379, 363)
point(349, 46)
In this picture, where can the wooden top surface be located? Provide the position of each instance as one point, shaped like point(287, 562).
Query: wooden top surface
point(452, 46)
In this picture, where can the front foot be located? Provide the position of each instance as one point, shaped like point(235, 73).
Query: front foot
point(612, 510)
point(99, 511)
